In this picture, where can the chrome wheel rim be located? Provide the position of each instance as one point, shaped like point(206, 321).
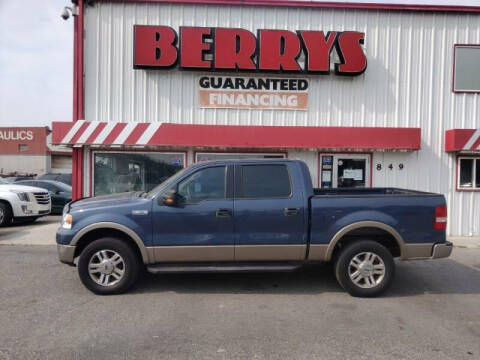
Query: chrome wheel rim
point(106, 267)
point(366, 270)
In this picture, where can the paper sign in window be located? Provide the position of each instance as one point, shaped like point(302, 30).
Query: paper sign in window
point(355, 174)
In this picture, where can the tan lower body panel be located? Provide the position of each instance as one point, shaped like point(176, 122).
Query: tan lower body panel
point(227, 253)
point(191, 253)
point(270, 252)
point(417, 251)
point(318, 252)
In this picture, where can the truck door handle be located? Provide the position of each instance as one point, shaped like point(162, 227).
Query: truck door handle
point(291, 211)
point(223, 213)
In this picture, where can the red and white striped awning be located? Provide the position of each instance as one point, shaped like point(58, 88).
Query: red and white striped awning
point(103, 134)
point(466, 140)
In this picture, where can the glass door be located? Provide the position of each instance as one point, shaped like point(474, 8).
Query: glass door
point(351, 171)
point(345, 170)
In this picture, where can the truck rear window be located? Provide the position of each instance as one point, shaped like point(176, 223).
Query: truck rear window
point(265, 181)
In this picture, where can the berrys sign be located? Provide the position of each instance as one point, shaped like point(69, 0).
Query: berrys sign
point(224, 49)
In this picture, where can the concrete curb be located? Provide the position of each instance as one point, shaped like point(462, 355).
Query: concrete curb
point(470, 242)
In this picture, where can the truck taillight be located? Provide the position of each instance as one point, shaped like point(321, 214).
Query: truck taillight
point(440, 222)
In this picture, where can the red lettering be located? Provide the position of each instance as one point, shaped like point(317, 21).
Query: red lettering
point(317, 50)
point(353, 59)
point(279, 50)
point(234, 49)
point(193, 47)
point(154, 46)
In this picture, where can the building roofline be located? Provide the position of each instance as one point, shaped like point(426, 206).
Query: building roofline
point(318, 4)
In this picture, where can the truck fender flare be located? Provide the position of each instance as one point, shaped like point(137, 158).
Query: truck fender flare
point(112, 225)
point(364, 224)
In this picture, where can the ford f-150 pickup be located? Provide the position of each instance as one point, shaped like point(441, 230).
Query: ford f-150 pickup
point(251, 215)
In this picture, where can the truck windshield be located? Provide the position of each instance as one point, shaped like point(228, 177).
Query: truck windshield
point(163, 184)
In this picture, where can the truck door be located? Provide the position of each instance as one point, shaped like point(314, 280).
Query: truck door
point(268, 213)
point(200, 226)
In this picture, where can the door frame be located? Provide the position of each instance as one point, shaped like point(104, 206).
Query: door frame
point(348, 155)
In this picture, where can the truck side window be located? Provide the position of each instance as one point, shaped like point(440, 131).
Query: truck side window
point(205, 184)
point(265, 181)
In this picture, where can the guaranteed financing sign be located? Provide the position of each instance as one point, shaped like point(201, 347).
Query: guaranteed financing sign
point(252, 93)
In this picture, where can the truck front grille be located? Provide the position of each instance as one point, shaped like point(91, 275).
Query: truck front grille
point(42, 198)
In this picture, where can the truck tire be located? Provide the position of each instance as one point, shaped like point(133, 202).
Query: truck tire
point(5, 214)
point(108, 266)
point(365, 268)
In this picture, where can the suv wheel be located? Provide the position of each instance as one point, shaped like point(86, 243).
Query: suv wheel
point(108, 266)
point(365, 268)
point(5, 214)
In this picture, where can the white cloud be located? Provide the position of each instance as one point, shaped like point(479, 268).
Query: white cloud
point(36, 63)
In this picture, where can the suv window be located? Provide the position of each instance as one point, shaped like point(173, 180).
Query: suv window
point(205, 184)
point(27, 183)
point(265, 181)
point(45, 185)
point(65, 178)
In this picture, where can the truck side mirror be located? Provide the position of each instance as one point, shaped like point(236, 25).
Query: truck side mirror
point(169, 198)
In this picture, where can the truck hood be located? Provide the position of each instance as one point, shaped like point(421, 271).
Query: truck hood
point(24, 188)
point(103, 200)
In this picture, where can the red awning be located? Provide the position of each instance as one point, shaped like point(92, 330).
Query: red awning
point(228, 136)
point(462, 140)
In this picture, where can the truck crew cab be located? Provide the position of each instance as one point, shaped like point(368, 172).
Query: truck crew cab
point(251, 215)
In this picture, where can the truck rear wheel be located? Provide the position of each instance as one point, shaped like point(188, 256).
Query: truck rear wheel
point(365, 268)
point(5, 214)
point(108, 266)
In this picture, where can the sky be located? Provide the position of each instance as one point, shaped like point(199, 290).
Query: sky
point(36, 63)
point(36, 59)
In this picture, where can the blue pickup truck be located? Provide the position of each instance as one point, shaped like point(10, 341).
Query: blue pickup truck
point(251, 215)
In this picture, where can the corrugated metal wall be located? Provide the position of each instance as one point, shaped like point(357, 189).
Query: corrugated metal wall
point(407, 83)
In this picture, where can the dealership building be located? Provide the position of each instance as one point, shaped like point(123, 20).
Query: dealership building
point(368, 95)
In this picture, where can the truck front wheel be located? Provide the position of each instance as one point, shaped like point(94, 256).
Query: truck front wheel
point(108, 266)
point(365, 268)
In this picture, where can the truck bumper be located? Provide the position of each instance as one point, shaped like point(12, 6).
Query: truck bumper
point(66, 254)
point(442, 250)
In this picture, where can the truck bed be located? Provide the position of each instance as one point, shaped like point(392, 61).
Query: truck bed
point(411, 213)
point(369, 192)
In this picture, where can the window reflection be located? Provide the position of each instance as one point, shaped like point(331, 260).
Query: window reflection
point(121, 172)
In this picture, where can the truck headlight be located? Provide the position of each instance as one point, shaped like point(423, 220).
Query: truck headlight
point(67, 221)
point(23, 196)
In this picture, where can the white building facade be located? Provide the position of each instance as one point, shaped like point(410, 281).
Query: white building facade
point(408, 117)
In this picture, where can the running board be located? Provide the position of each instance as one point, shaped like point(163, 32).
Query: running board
point(222, 267)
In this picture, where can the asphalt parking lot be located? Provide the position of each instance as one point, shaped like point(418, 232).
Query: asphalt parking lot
point(431, 312)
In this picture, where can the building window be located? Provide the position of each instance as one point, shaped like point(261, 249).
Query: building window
point(133, 171)
point(469, 173)
point(235, 156)
point(22, 147)
point(466, 74)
